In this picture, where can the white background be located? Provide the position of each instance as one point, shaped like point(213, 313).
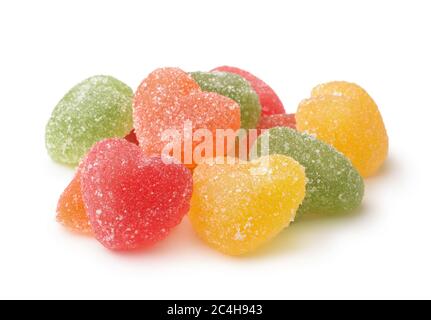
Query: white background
point(48, 46)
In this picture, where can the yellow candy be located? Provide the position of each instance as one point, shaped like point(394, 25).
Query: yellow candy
point(344, 115)
point(237, 208)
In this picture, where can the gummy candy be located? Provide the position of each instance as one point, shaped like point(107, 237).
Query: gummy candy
point(343, 115)
point(167, 100)
point(236, 88)
point(277, 120)
point(131, 137)
point(238, 208)
point(132, 201)
point(334, 185)
point(97, 108)
point(71, 209)
point(270, 102)
point(164, 87)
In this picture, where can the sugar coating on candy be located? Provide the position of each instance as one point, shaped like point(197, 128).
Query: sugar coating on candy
point(71, 209)
point(236, 88)
point(97, 108)
point(277, 120)
point(168, 99)
point(238, 208)
point(334, 185)
point(132, 201)
point(163, 87)
point(270, 102)
point(345, 116)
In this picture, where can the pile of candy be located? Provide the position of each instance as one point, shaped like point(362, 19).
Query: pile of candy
point(129, 193)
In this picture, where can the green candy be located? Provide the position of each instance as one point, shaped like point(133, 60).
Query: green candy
point(334, 185)
point(235, 87)
point(95, 109)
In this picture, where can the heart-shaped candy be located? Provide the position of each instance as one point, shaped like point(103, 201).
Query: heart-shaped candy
point(132, 201)
point(345, 116)
point(170, 101)
point(238, 208)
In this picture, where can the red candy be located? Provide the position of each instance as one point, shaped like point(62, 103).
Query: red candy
point(277, 120)
point(271, 103)
point(131, 137)
point(132, 201)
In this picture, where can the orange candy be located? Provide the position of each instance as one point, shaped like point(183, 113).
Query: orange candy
point(71, 209)
point(343, 115)
point(169, 100)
